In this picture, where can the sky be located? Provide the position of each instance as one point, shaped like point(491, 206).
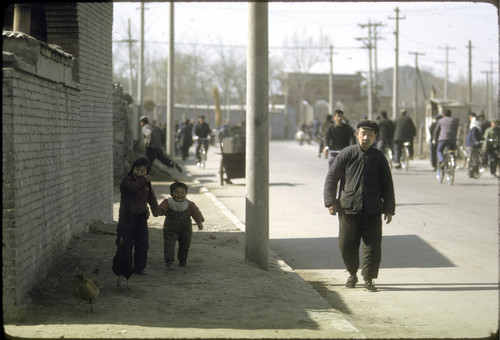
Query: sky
point(426, 28)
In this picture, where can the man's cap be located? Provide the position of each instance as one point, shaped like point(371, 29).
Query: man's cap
point(143, 118)
point(368, 124)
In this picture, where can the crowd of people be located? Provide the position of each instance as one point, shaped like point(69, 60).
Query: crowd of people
point(335, 133)
point(187, 134)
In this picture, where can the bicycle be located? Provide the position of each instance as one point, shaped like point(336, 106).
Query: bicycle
point(389, 156)
point(475, 168)
point(202, 152)
point(493, 156)
point(405, 156)
point(447, 169)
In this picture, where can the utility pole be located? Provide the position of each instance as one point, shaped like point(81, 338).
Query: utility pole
point(170, 147)
point(257, 137)
point(492, 88)
point(330, 83)
point(417, 118)
point(130, 41)
point(370, 45)
point(140, 80)
point(447, 62)
point(488, 94)
point(375, 62)
point(469, 47)
point(395, 75)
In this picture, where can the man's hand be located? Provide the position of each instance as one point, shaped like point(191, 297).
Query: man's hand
point(388, 218)
point(332, 210)
point(325, 151)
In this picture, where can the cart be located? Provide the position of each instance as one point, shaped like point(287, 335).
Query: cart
point(232, 164)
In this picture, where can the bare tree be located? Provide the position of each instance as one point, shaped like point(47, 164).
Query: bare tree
point(303, 52)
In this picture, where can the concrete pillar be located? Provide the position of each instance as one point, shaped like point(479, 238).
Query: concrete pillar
point(170, 147)
point(22, 18)
point(257, 138)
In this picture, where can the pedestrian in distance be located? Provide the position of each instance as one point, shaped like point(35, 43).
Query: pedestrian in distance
point(201, 133)
point(361, 176)
point(153, 141)
point(491, 147)
point(178, 211)
point(185, 138)
point(132, 228)
point(338, 136)
point(433, 146)
point(445, 135)
point(324, 126)
point(404, 131)
point(386, 132)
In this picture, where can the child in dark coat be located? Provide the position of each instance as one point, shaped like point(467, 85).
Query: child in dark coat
point(132, 229)
point(177, 227)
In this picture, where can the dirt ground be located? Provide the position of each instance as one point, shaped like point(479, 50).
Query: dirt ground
point(217, 295)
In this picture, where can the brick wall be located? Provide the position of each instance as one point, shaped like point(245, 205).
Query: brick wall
point(96, 110)
point(40, 168)
point(56, 143)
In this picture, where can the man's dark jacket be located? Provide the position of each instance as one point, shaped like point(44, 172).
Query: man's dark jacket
point(365, 178)
point(338, 137)
point(385, 130)
point(405, 129)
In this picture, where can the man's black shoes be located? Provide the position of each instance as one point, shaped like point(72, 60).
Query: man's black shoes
point(351, 281)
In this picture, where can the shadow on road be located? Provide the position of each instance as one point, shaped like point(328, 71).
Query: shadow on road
point(403, 251)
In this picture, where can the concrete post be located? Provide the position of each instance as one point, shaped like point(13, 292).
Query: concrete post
point(170, 148)
point(22, 18)
point(257, 138)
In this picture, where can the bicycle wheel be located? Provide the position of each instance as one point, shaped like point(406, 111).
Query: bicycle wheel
point(474, 165)
point(450, 175)
point(388, 155)
point(221, 173)
point(406, 162)
point(203, 153)
point(440, 174)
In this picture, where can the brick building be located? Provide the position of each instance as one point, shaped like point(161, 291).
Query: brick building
point(57, 136)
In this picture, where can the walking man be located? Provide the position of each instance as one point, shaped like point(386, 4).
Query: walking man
point(366, 192)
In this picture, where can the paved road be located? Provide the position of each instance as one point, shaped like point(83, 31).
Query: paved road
point(439, 272)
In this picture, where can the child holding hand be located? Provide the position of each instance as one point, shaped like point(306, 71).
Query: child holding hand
point(177, 227)
point(132, 229)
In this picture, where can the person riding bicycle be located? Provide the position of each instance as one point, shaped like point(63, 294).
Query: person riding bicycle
point(338, 136)
point(445, 135)
point(386, 132)
point(491, 138)
point(404, 131)
point(473, 142)
point(201, 132)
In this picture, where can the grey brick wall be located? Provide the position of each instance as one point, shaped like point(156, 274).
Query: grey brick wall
point(96, 110)
point(40, 163)
point(57, 140)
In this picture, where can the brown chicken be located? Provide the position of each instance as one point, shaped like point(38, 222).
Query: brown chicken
point(86, 288)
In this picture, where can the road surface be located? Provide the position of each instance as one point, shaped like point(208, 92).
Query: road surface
point(439, 271)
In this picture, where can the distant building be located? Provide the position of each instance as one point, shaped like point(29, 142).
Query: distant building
point(312, 88)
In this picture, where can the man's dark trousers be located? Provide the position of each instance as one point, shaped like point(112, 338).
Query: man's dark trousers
point(355, 228)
